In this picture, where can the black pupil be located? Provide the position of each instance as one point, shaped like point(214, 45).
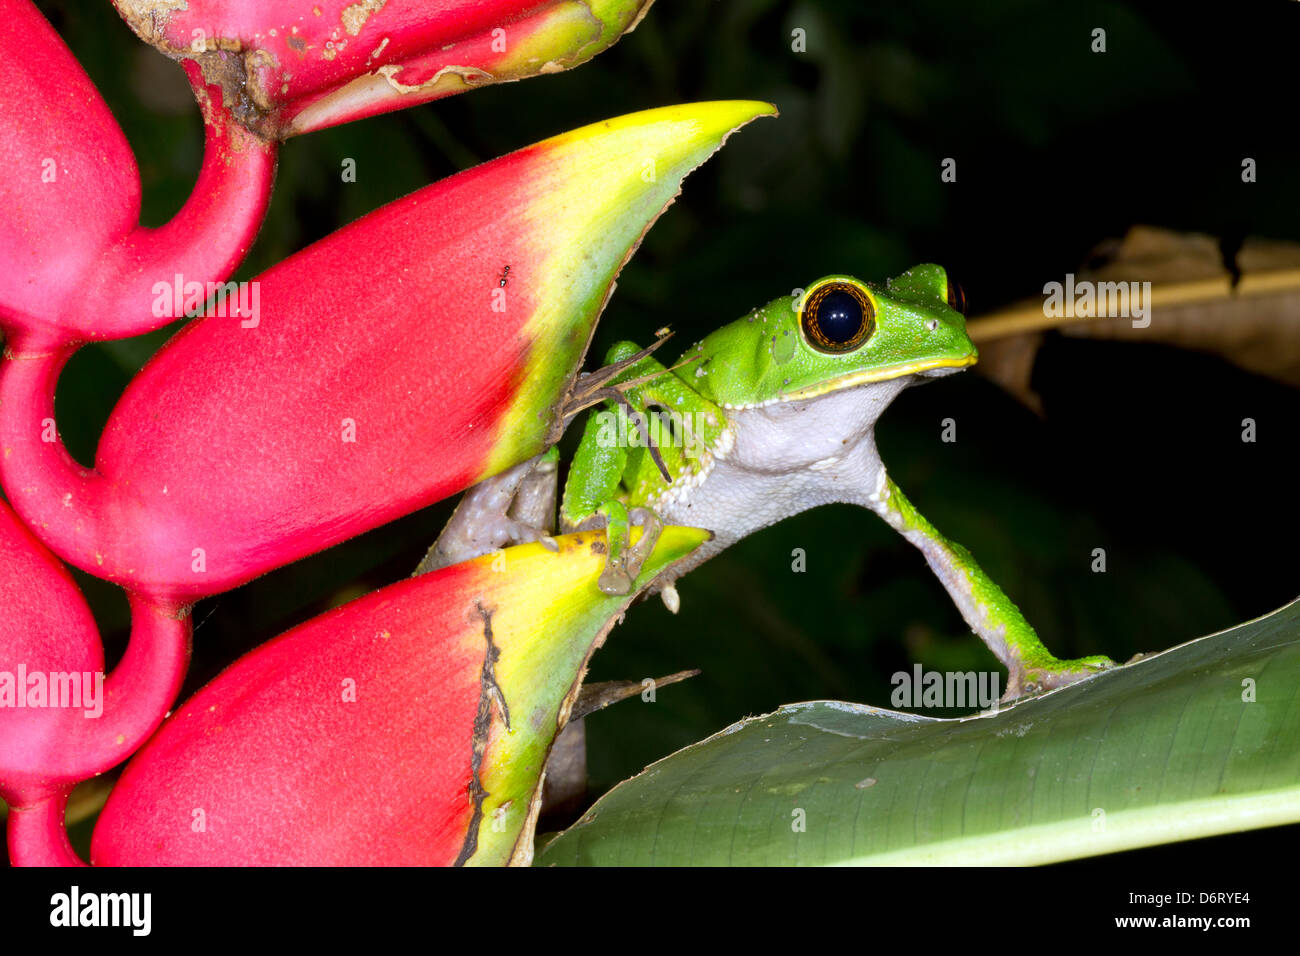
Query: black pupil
point(839, 316)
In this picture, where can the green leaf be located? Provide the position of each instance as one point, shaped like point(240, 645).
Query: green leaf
point(1169, 747)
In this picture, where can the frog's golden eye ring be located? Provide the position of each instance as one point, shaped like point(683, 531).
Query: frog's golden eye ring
point(837, 317)
point(956, 297)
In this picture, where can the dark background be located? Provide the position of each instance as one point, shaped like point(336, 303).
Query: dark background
point(1058, 148)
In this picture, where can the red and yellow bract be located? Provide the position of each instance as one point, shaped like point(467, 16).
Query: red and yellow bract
point(409, 727)
point(387, 369)
point(305, 64)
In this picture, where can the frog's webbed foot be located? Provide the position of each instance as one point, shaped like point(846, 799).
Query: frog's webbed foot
point(1027, 680)
point(516, 506)
point(623, 560)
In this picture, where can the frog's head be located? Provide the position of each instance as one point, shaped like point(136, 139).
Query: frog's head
point(839, 333)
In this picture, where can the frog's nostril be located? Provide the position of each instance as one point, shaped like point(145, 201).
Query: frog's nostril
point(932, 325)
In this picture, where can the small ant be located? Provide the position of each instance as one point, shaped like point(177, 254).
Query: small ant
point(505, 274)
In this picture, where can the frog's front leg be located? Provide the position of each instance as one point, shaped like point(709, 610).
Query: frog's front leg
point(984, 605)
point(592, 499)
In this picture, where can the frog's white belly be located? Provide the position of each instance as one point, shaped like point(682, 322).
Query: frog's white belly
point(782, 459)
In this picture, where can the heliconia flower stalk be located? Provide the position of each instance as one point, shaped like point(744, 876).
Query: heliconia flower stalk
point(38, 836)
point(299, 65)
point(78, 265)
point(61, 719)
point(407, 356)
point(410, 727)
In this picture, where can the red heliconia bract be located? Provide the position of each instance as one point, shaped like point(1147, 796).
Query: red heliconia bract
point(389, 365)
point(77, 263)
point(61, 721)
point(80, 267)
point(409, 727)
point(300, 65)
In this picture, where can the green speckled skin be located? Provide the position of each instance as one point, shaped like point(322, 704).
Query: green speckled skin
point(604, 469)
point(764, 356)
point(761, 358)
point(767, 357)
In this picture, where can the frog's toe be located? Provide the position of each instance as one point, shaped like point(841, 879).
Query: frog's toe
point(513, 531)
point(652, 527)
point(614, 580)
point(1025, 682)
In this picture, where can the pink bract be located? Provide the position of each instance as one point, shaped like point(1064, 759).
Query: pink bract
point(78, 265)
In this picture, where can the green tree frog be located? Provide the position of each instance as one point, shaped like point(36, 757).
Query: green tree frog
point(762, 419)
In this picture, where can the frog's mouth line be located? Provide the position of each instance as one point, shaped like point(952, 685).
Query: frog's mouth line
point(865, 377)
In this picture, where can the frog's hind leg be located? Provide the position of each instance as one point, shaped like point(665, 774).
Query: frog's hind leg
point(535, 500)
point(1031, 667)
point(513, 507)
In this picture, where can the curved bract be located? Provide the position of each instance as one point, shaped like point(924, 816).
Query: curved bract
point(61, 720)
point(386, 368)
point(409, 727)
point(78, 265)
point(45, 628)
point(300, 65)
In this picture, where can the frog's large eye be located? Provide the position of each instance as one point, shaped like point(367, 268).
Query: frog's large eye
point(956, 297)
point(837, 317)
